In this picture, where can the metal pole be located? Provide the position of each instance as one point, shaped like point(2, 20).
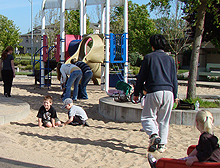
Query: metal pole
point(107, 45)
point(81, 17)
point(32, 35)
point(42, 45)
point(62, 31)
point(126, 36)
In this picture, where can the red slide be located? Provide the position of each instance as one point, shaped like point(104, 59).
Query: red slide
point(175, 163)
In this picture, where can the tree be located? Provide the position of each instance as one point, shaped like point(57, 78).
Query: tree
point(140, 27)
point(52, 27)
point(9, 33)
point(191, 90)
point(201, 6)
point(72, 23)
point(212, 23)
point(174, 28)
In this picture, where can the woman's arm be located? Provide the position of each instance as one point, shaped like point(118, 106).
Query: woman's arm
point(13, 67)
point(1, 65)
point(193, 153)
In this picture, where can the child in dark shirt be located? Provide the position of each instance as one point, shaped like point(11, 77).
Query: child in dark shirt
point(47, 116)
point(207, 149)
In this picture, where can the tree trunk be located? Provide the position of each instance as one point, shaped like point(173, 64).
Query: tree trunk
point(176, 61)
point(191, 91)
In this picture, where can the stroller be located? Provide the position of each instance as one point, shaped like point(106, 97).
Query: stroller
point(124, 96)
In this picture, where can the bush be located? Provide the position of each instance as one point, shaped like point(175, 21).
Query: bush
point(24, 62)
point(135, 59)
point(37, 66)
point(135, 69)
point(28, 67)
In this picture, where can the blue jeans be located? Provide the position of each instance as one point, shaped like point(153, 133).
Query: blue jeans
point(75, 77)
point(85, 80)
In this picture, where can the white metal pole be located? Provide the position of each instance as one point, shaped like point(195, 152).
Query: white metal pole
point(107, 45)
point(84, 17)
point(103, 32)
point(41, 55)
point(126, 36)
point(81, 17)
point(103, 19)
point(62, 31)
point(32, 36)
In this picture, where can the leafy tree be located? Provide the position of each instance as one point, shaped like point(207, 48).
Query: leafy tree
point(52, 27)
point(190, 5)
point(140, 26)
point(9, 33)
point(72, 23)
point(174, 28)
point(212, 23)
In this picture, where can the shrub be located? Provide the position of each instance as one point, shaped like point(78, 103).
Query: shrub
point(24, 62)
point(135, 69)
point(28, 67)
point(135, 59)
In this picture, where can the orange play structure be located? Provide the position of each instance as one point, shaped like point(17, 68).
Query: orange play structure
point(175, 163)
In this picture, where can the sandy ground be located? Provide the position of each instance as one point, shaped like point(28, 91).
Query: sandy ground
point(103, 144)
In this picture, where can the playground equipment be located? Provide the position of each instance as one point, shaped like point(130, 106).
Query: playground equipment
point(105, 29)
point(175, 163)
point(94, 58)
point(48, 63)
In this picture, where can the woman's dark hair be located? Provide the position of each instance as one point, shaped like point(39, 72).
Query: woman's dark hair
point(58, 71)
point(5, 52)
point(158, 41)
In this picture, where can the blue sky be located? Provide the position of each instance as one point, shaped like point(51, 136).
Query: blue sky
point(19, 11)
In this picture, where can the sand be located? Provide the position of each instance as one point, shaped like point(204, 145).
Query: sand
point(104, 144)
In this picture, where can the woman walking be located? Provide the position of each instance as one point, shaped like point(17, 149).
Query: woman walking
point(8, 70)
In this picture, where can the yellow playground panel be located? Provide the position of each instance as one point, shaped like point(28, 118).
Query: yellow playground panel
point(95, 56)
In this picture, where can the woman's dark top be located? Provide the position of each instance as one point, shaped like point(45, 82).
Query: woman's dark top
point(208, 148)
point(7, 62)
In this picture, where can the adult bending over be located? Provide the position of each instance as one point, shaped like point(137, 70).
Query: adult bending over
point(75, 74)
point(87, 75)
point(8, 70)
point(158, 76)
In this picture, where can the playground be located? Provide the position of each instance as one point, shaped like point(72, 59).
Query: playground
point(105, 143)
point(108, 142)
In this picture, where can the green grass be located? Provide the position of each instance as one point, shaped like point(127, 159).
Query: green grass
point(28, 73)
point(23, 73)
point(204, 104)
point(180, 71)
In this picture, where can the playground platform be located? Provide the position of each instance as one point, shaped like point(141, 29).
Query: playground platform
point(129, 112)
point(12, 109)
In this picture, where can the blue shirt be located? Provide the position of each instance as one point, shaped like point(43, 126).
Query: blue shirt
point(157, 73)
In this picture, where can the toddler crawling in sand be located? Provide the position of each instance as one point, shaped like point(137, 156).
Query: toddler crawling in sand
point(47, 115)
point(77, 116)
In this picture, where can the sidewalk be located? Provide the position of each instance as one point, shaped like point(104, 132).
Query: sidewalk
point(201, 83)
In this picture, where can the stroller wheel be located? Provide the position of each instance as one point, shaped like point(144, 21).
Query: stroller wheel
point(139, 98)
